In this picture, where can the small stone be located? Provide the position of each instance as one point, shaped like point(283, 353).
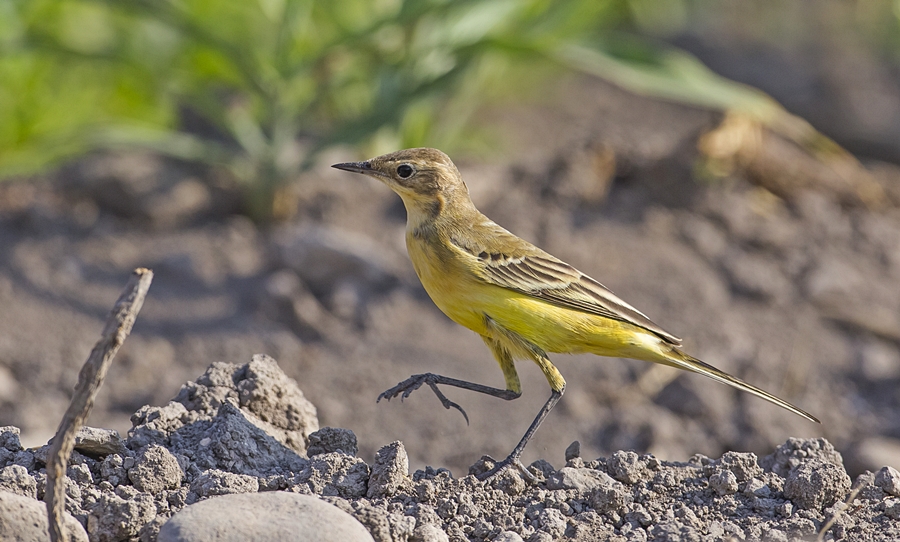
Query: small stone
point(573, 451)
point(785, 509)
point(277, 401)
point(336, 474)
point(429, 532)
point(98, 442)
point(816, 484)
point(15, 479)
point(509, 481)
point(508, 536)
point(583, 480)
point(286, 517)
point(9, 438)
point(155, 470)
point(115, 518)
point(724, 482)
point(892, 508)
point(24, 518)
point(390, 470)
point(332, 439)
point(743, 465)
point(217, 482)
point(552, 522)
point(757, 488)
point(610, 499)
point(626, 467)
point(795, 451)
point(888, 479)
point(540, 466)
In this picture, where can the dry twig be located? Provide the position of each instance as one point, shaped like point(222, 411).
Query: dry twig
point(117, 328)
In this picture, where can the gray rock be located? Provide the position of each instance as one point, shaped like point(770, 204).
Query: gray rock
point(9, 444)
point(553, 522)
point(430, 532)
point(390, 470)
point(155, 470)
point(267, 397)
point(15, 479)
point(332, 439)
point(508, 536)
point(285, 517)
point(231, 442)
point(584, 480)
point(112, 469)
point(115, 518)
point(217, 482)
point(610, 499)
point(744, 466)
point(888, 479)
point(541, 536)
point(724, 482)
point(892, 508)
point(795, 451)
point(815, 484)
point(98, 442)
point(627, 467)
point(23, 519)
point(336, 474)
point(276, 399)
point(153, 425)
point(9, 438)
point(573, 451)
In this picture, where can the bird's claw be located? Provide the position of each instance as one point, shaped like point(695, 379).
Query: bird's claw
point(411, 384)
point(406, 387)
point(505, 464)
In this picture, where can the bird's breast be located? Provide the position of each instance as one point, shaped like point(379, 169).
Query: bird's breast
point(450, 283)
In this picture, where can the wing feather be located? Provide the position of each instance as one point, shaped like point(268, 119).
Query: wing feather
point(524, 268)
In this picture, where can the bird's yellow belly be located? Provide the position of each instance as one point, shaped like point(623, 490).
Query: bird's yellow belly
point(470, 302)
point(550, 327)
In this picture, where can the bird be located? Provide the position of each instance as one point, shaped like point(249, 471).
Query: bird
point(522, 301)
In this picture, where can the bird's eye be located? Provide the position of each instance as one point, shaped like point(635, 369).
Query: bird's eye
point(404, 170)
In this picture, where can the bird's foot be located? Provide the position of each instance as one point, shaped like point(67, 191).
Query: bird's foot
point(510, 461)
point(411, 384)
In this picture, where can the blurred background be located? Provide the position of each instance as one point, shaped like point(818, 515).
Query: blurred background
point(729, 168)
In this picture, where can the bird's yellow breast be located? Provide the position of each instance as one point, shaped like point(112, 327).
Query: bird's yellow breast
point(456, 286)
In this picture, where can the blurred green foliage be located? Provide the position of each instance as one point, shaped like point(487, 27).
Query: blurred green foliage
point(259, 87)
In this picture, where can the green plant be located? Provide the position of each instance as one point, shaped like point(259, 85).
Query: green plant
point(259, 87)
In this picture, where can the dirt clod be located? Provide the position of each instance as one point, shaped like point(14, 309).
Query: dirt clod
point(208, 445)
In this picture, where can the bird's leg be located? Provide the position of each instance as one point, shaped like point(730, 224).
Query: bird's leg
point(411, 384)
point(558, 385)
point(513, 457)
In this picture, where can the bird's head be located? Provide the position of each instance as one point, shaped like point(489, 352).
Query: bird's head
point(424, 178)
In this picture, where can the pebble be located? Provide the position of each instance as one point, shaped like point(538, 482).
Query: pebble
point(390, 470)
point(816, 484)
point(24, 518)
point(155, 470)
point(332, 439)
point(285, 517)
point(584, 480)
point(888, 479)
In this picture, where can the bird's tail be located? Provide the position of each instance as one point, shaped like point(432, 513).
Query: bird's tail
point(680, 360)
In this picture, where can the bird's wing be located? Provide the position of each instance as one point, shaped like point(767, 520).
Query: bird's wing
point(518, 265)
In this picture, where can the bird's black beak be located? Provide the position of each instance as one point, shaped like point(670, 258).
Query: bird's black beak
point(355, 167)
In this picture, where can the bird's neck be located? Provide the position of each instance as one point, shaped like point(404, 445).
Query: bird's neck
point(427, 218)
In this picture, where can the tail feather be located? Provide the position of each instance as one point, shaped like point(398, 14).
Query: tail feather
point(688, 363)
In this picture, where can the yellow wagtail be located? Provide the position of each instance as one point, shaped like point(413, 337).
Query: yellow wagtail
point(521, 300)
